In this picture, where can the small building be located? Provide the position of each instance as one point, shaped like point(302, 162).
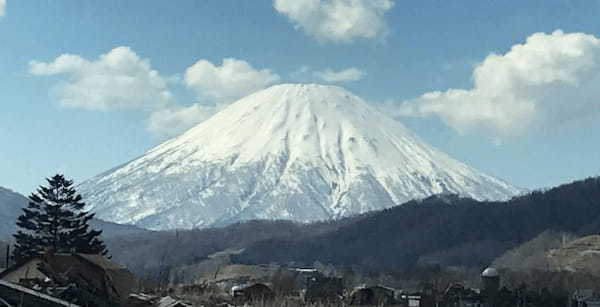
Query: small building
point(373, 296)
point(320, 288)
point(257, 292)
point(168, 301)
point(417, 299)
point(490, 282)
point(456, 295)
point(85, 279)
point(15, 295)
point(585, 298)
point(141, 300)
point(307, 271)
point(148, 300)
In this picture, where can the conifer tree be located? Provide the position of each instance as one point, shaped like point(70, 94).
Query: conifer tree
point(54, 221)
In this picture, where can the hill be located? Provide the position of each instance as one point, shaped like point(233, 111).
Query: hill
point(532, 255)
point(444, 230)
point(579, 256)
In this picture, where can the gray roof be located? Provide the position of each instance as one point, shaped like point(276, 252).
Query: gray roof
point(490, 272)
point(586, 295)
point(28, 291)
point(168, 301)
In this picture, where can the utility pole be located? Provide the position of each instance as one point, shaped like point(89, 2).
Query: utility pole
point(7, 255)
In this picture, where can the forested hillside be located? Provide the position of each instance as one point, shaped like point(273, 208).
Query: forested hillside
point(442, 230)
point(146, 252)
point(445, 230)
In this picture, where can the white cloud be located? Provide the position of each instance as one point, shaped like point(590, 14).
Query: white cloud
point(232, 80)
point(305, 74)
point(66, 63)
point(2, 8)
point(301, 73)
point(337, 20)
point(120, 79)
point(549, 80)
point(346, 75)
point(117, 79)
point(169, 122)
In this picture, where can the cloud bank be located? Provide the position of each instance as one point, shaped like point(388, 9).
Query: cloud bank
point(548, 80)
point(2, 8)
point(216, 87)
point(232, 80)
point(120, 79)
point(345, 75)
point(117, 79)
point(174, 120)
point(339, 21)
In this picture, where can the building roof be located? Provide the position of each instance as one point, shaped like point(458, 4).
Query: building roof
point(586, 295)
point(100, 273)
point(168, 301)
point(304, 270)
point(97, 260)
point(490, 272)
point(39, 295)
point(364, 287)
point(143, 297)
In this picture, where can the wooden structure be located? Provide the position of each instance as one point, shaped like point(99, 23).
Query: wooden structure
point(456, 295)
point(257, 292)
point(373, 296)
point(147, 300)
point(90, 280)
point(320, 288)
point(16, 295)
point(168, 301)
point(585, 298)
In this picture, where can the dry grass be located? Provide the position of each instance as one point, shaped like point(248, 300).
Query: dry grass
point(279, 301)
point(219, 299)
point(209, 295)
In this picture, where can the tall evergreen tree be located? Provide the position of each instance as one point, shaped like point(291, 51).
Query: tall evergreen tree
point(54, 221)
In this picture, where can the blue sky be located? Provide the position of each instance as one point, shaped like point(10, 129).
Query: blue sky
point(88, 85)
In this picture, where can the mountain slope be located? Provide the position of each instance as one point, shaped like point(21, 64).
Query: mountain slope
point(449, 231)
point(445, 231)
point(581, 255)
point(300, 152)
point(532, 255)
point(12, 203)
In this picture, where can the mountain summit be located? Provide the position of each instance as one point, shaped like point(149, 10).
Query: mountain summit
point(300, 152)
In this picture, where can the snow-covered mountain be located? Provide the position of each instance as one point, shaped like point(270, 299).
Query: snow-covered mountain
point(12, 203)
point(301, 152)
